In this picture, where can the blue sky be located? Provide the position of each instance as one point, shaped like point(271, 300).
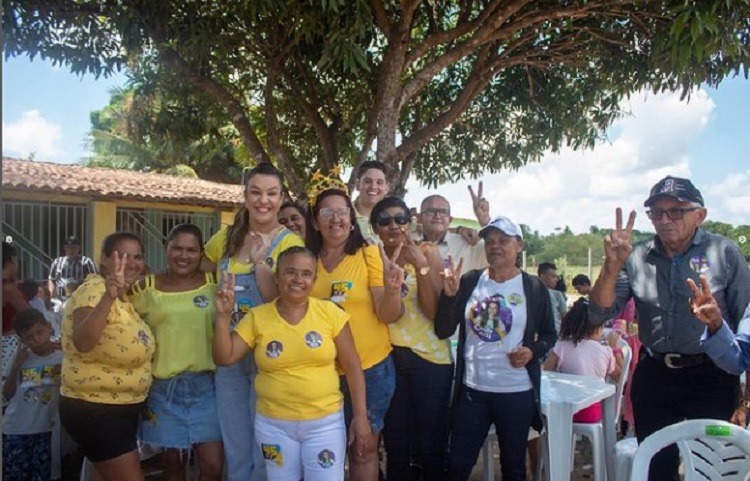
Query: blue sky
point(46, 111)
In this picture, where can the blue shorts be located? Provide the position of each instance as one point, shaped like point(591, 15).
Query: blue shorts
point(27, 457)
point(380, 383)
point(181, 411)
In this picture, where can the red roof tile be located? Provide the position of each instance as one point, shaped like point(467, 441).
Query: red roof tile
point(102, 183)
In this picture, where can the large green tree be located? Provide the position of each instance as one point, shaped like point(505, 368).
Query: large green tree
point(438, 88)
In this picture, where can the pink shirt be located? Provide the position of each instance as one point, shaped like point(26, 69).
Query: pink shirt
point(588, 358)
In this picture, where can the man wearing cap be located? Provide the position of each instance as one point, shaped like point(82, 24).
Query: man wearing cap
point(71, 267)
point(675, 379)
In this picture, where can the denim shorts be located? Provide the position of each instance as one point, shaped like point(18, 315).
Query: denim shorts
point(380, 383)
point(181, 411)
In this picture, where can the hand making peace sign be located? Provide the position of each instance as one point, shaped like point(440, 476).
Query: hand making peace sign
point(225, 295)
point(452, 276)
point(115, 282)
point(412, 252)
point(393, 274)
point(617, 246)
point(481, 205)
point(704, 306)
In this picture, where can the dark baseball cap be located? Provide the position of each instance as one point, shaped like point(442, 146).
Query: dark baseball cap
point(72, 241)
point(677, 187)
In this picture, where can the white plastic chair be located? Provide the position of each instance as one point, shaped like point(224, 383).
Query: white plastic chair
point(595, 431)
point(711, 450)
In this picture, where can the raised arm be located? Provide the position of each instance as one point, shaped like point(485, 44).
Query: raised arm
point(617, 248)
point(228, 347)
point(387, 299)
point(89, 322)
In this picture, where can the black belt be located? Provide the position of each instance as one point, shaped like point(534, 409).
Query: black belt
point(675, 360)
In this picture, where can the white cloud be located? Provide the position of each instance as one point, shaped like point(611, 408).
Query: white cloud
point(32, 133)
point(582, 188)
point(730, 197)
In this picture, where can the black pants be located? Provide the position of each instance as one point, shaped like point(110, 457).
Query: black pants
point(663, 396)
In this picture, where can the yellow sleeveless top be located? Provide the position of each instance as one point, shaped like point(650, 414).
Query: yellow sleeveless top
point(183, 326)
point(414, 330)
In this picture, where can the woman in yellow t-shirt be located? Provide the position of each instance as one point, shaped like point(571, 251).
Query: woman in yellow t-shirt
point(106, 369)
point(178, 305)
point(297, 341)
point(424, 369)
point(367, 284)
point(248, 250)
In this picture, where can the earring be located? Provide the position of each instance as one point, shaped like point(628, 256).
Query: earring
point(351, 228)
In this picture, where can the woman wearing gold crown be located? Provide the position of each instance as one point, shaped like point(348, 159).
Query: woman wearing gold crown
point(367, 284)
point(248, 249)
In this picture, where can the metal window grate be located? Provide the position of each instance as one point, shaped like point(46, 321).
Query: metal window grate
point(153, 226)
point(37, 231)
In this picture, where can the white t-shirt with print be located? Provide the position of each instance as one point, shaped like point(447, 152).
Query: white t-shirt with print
point(34, 406)
point(495, 323)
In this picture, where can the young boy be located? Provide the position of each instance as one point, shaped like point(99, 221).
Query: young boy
point(33, 388)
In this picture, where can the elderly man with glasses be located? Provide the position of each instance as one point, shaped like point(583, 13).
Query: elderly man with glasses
point(435, 218)
point(675, 379)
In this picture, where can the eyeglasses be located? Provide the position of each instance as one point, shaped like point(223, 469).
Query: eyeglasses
point(674, 213)
point(399, 219)
point(341, 212)
point(436, 212)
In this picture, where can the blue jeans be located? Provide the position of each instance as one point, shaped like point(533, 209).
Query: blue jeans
point(380, 382)
point(511, 413)
point(418, 417)
point(235, 401)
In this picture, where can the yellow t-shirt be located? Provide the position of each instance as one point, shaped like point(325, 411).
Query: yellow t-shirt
point(297, 378)
point(183, 326)
point(349, 286)
point(414, 330)
point(118, 369)
point(214, 251)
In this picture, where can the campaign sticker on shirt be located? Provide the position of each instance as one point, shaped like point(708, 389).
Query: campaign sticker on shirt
point(339, 290)
point(699, 264)
point(274, 349)
point(272, 452)
point(326, 458)
point(313, 339)
point(405, 286)
point(269, 262)
point(200, 301)
point(491, 319)
point(143, 338)
point(515, 299)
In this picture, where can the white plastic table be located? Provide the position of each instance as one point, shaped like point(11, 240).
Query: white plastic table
point(562, 396)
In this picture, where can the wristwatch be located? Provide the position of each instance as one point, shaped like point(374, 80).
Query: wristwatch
point(423, 271)
point(745, 403)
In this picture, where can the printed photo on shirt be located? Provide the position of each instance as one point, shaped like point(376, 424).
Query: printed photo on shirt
point(274, 349)
point(313, 339)
point(340, 290)
point(491, 319)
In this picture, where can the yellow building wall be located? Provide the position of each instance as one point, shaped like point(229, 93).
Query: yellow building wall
point(103, 222)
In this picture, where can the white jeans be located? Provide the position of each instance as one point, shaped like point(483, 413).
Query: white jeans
point(314, 450)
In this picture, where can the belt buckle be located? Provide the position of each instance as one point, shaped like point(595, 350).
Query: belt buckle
point(668, 360)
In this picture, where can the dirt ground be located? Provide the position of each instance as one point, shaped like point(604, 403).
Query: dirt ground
point(583, 470)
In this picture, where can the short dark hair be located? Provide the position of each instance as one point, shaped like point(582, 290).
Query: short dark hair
point(580, 280)
point(27, 319)
point(186, 228)
point(371, 164)
point(314, 239)
point(110, 242)
point(295, 250)
point(29, 288)
point(544, 267)
point(387, 203)
point(295, 205)
point(9, 253)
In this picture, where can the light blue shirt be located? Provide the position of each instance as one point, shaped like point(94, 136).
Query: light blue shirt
point(730, 351)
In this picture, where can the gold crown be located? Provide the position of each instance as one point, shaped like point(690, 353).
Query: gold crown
point(321, 183)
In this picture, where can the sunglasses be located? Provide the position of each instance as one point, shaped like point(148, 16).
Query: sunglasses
point(400, 219)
